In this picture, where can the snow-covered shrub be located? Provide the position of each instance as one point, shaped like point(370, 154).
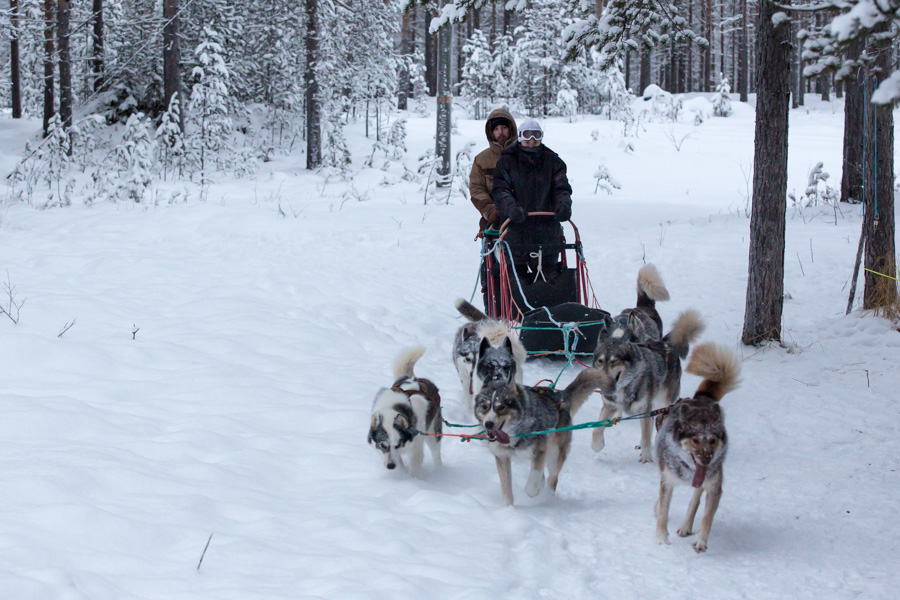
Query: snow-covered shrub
point(567, 101)
point(336, 160)
point(244, 163)
point(721, 100)
point(134, 160)
point(170, 142)
point(463, 168)
point(817, 187)
point(605, 180)
point(618, 98)
point(396, 139)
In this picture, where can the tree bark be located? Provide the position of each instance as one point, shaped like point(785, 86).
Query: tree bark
point(852, 167)
point(430, 71)
point(878, 217)
point(49, 92)
point(172, 57)
point(97, 45)
point(765, 283)
point(744, 82)
point(63, 14)
point(645, 70)
point(444, 105)
point(313, 110)
point(14, 74)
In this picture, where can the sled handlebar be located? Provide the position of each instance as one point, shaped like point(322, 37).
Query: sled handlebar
point(505, 225)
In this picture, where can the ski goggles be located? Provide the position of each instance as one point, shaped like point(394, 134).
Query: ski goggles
point(532, 134)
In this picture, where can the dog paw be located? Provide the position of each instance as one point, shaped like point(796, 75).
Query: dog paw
point(597, 444)
point(534, 487)
point(684, 532)
point(662, 538)
point(699, 546)
point(645, 458)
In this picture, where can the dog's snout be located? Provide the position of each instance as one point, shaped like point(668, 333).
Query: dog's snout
point(391, 465)
point(488, 424)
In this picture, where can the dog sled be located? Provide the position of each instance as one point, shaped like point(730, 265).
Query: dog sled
point(548, 296)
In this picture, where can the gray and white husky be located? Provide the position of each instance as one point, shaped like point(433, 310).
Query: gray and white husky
point(643, 320)
point(642, 376)
point(477, 361)
point(507, 410)
point(692, 442)
point(411, 406)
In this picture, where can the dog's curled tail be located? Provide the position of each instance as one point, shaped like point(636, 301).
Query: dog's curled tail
point(719, 368)
point(469, 311)
point(650, 287)
point(686, 329)
point(581, 388)
point(406, 360)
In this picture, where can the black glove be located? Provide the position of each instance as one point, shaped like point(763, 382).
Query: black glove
point(564, 212)
point(517, 215)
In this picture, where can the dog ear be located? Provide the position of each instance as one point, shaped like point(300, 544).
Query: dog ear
point(484, 347)
point(400, 422)
point(512, 385)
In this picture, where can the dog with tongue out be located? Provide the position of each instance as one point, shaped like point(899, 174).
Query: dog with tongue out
point(692, 442)
point(522, 420)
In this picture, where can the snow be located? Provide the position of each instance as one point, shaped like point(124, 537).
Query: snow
point(220, 372)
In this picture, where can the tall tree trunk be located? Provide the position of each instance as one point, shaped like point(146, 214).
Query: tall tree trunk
point(63, 14)
point(852, 167)
point(430, 71)
point(14, 74)
point(172, 57)
point(765, 283)
point(403, 75)
point(690, 50)
point(878, 217)
point(49, 95)
point(707, 53)
point(97, 45)
point(313, 110)
point(444, 104)
point(801, 80)
point(628, 69)
point(645, 69)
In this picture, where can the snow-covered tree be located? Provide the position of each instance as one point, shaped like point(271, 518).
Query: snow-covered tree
point(170, 139)
point(135, 160)
point(721, 100)
point(209, 100)
point(478, 74)
point(566, 101)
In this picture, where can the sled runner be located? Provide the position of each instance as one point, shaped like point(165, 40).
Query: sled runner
point(535, 288)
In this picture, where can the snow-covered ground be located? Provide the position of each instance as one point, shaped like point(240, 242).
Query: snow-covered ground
point(219, 375)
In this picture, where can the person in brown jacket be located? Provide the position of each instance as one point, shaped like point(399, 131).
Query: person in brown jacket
point(501, 131)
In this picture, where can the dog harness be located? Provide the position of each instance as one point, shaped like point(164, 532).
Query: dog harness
point(426, 388)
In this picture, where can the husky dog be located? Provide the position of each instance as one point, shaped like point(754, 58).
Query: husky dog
point(692, 442)
point(502, 354)
point(642, 376)
point(643, 320)
point(507, 410)
point(411, 406)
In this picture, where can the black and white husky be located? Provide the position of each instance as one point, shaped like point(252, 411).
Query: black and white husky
point(643, 321)
point(411, 406)
point(692, 442)
point(508, 410)
point(485, 349)
point(642, 375)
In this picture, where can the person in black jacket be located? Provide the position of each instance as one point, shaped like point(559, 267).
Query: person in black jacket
point(530, 177)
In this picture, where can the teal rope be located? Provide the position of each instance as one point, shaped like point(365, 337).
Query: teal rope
point(449, 424)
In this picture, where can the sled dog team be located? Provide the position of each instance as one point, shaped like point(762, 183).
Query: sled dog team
point(636, 368)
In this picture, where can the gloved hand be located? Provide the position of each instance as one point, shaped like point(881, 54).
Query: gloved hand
point(495, 218)
point(564, 212)
point(517, 215)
